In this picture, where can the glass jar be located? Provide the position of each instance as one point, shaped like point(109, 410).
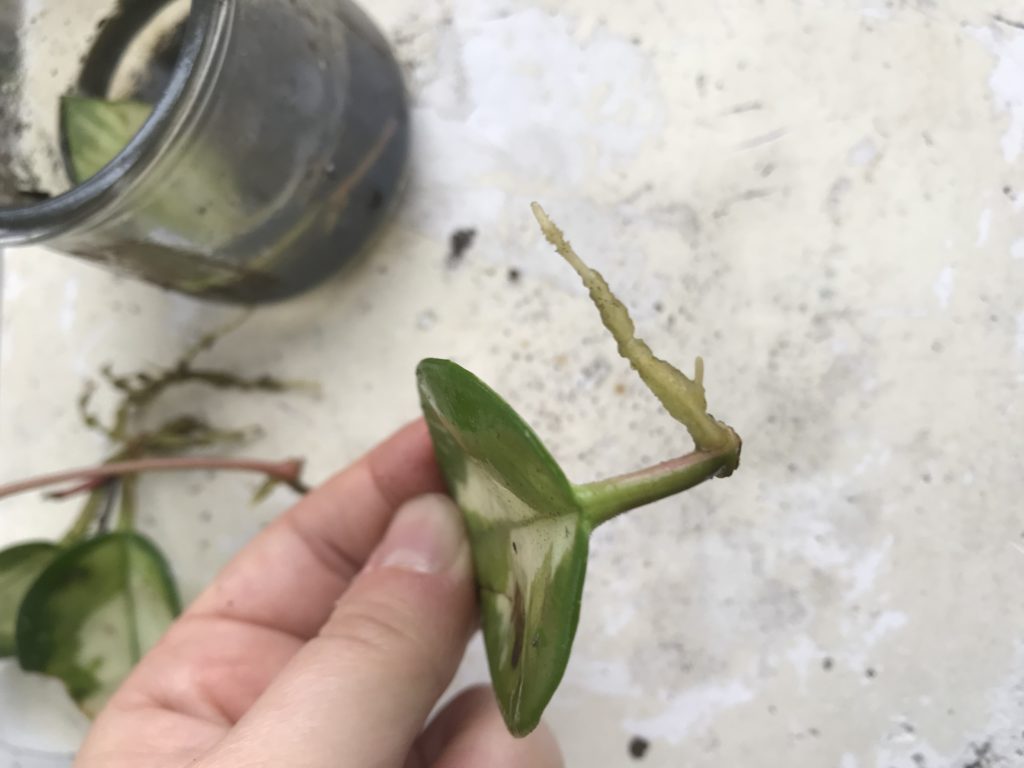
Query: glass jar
point(277, 141)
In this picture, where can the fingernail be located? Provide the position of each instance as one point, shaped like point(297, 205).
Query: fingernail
point(426, 536)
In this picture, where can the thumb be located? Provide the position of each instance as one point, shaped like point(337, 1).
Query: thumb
point(359, 693)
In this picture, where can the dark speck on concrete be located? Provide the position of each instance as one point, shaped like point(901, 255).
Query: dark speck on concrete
point(870, 672)
point(638, 747)
point(827, 663)
point(983, 757)
point(514, 275)
point(461, 241)
point(1008, 21)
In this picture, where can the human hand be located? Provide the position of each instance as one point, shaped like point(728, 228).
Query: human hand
point(325, 643)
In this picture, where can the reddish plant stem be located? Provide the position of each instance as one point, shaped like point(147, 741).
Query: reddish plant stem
point(85, 486)
point(287, 472)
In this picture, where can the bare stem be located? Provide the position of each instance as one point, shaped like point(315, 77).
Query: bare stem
point(126, 518)
point(86, 486)
point(92, 510)
point(288, 472)
point(603, 500)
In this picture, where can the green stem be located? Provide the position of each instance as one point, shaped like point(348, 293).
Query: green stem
point(90, 510)
point(604, 499)
point(126, 518)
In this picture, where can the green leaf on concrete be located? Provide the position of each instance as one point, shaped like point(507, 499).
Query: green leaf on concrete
point(94, 612)
point(19, 567)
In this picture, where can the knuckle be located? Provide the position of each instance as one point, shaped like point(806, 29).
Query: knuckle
point(377, 627)
point(380, 635)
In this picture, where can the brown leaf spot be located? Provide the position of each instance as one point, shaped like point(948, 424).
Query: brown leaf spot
point(518, 626)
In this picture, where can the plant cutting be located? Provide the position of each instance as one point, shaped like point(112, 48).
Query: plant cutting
point(528, 525)
point(86, 608)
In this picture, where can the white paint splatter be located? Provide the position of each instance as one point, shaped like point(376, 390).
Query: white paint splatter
point(880, 14)
point(804, 655)
point(426, 319)
point(864, 572)
point(848, 761)
point(876, 458)
point(517, 102)
point(1006, 84)
point(886, 623)
point(604, 678)
point(691, 710)
point(943, 287)
point(984, 227)
point(863, 153)
point(1017, 249)
point(617, 619)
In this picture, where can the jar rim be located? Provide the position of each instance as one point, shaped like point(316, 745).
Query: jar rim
point(25, 224)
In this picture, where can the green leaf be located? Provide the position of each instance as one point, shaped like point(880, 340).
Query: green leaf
point(96, 131)
point(182, 217)
point(528, 532)
point(94, 612)
point(19, 567)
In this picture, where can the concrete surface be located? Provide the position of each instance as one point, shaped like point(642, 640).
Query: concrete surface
point(826, 200)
